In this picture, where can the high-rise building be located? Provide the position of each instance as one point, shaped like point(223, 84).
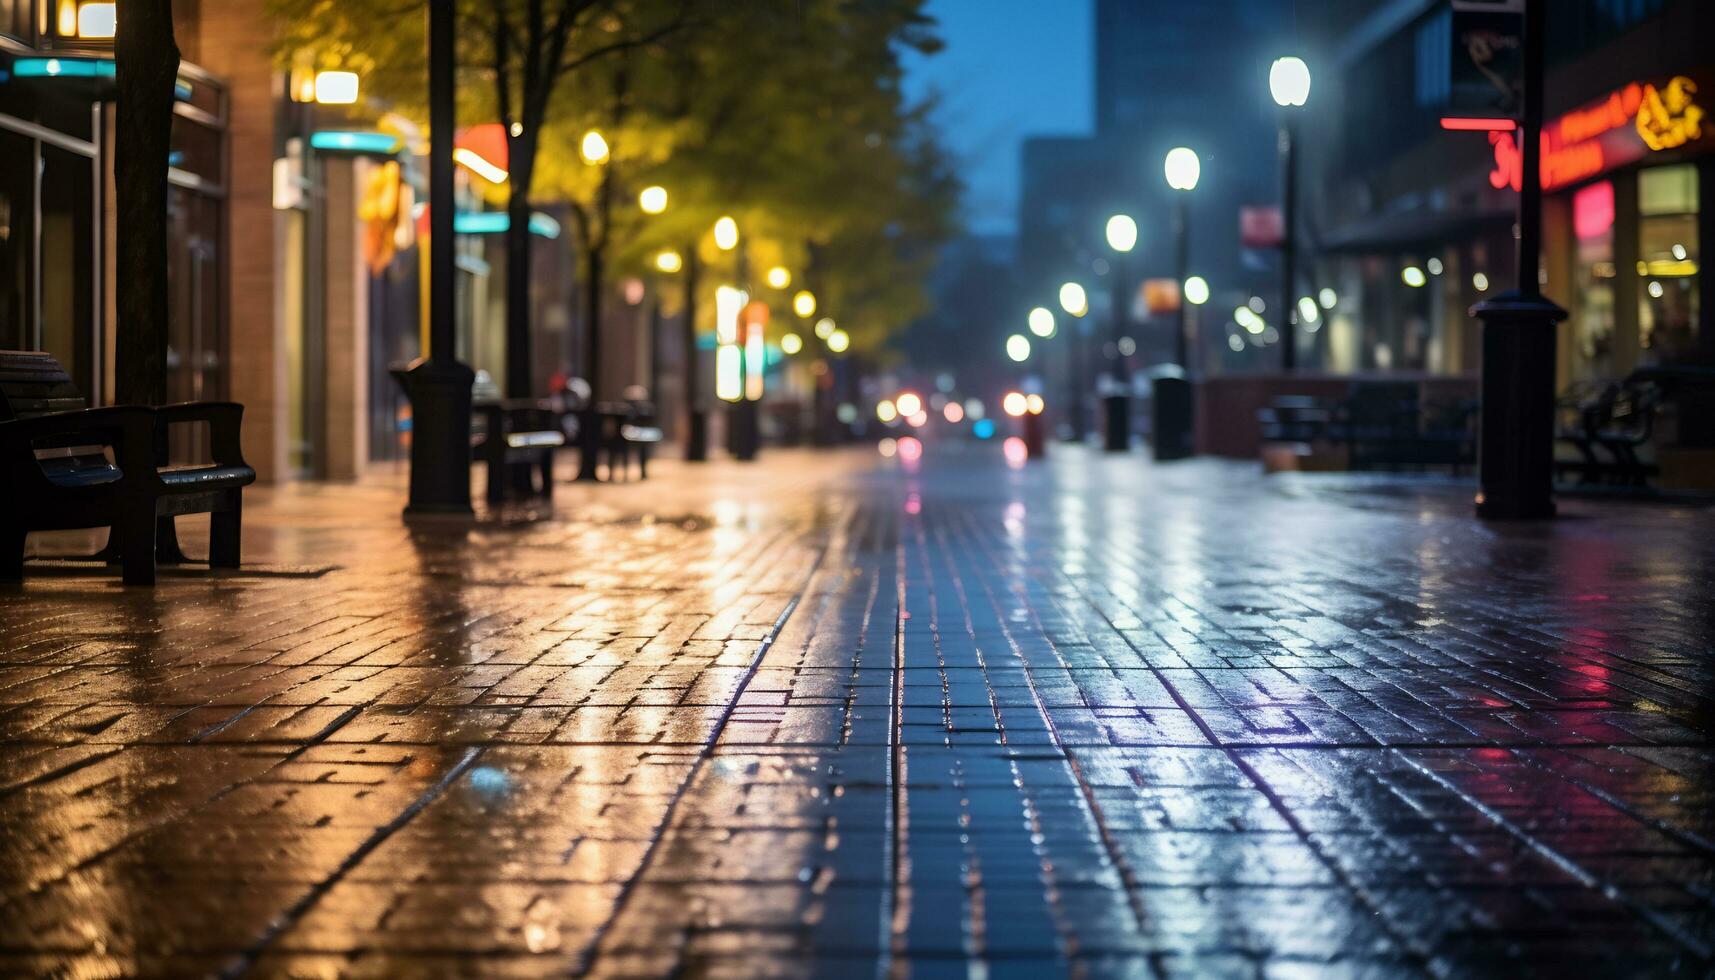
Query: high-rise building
point(1168, 73)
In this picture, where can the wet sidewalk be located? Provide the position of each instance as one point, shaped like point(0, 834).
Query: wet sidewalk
point(827, 717)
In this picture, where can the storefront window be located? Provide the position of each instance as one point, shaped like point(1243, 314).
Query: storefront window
point(68, 261)
point(15, 18)
point(1668, 257)
point(1593, 326)
point(17, 242)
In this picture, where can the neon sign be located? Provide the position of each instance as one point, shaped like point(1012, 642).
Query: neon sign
point(1670, 119)
point(1623, 127)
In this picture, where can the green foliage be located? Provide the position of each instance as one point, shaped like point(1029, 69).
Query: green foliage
point(785, 114)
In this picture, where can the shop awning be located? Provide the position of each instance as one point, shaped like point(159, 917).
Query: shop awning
point(1407, 231)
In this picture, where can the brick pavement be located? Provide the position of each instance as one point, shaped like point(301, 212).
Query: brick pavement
point(820, 717)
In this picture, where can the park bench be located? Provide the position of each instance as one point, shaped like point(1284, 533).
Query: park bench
point(628, 429)
point(1386, 425)
point(516, 439)
point(1609, 424)
point(1377, 425)
point(64, 465)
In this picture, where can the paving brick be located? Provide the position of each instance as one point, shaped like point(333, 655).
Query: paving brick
point(1092, 720)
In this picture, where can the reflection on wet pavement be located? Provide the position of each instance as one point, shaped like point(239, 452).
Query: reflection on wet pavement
point(814, 718)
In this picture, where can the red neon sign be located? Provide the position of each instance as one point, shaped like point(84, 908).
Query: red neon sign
point(1613, 131)
point(1477, 125)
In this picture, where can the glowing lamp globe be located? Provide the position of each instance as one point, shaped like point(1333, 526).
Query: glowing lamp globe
point(1018, 347)
point(1196, 290)
point(1073, 300)
point(1289, 81)
point(1183, 169)
point(593, 148)
point(726, 234)
point(1042, 322)
point(1122, 233)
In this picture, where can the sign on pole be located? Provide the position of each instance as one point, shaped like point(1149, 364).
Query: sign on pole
point(1261, 226)
point(1487, 69)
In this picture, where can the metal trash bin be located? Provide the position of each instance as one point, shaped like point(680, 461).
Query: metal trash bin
point(1171, 414)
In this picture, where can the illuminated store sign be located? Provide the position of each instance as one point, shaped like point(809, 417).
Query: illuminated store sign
point(1624, 127)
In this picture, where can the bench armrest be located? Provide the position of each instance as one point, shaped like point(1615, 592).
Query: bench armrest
point(225, 420)
point(95, 426)
point(129, 429)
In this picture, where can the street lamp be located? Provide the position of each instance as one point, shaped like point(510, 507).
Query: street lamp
point(804, 303)
point(1018, 347)
point(1122, 233)
point(726, 234)
point(779, 277)
point(331, 87)
point(1041, 322)
point(1073, 300)
point(436, 383)
point(1122, 238)
point(1172, 401)
point(1196, 290)
point(1183, 170)
point(593, 148)
point(1289, 83)
point(653, 199)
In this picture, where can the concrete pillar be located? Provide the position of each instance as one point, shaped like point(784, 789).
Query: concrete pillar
point(234, 41)
point(345, 319)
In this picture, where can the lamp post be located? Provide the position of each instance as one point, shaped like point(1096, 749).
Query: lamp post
point(1171, 399)
point(696, 420)
point(1515, 463)
point(742, 429)
point(1289, 83)
point(1076, 302)
point(1122, 238)
point(1183, 170)
point(437, 384)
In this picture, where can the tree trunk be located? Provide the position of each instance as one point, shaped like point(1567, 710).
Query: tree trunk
point(692, 375)
point(521, 158)
point(590, 441)
point(696, 431)
point(518, 257)
point(148, 65)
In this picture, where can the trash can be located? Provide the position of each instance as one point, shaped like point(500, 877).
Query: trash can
point(1171, 414)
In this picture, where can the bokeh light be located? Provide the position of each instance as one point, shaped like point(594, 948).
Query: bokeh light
point(593, 148)
point(1042, 322)
point(1073, 299)
point(1196, 290)
point(726, 234)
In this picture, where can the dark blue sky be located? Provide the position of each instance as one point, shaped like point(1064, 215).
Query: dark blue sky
point(1011, 69)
